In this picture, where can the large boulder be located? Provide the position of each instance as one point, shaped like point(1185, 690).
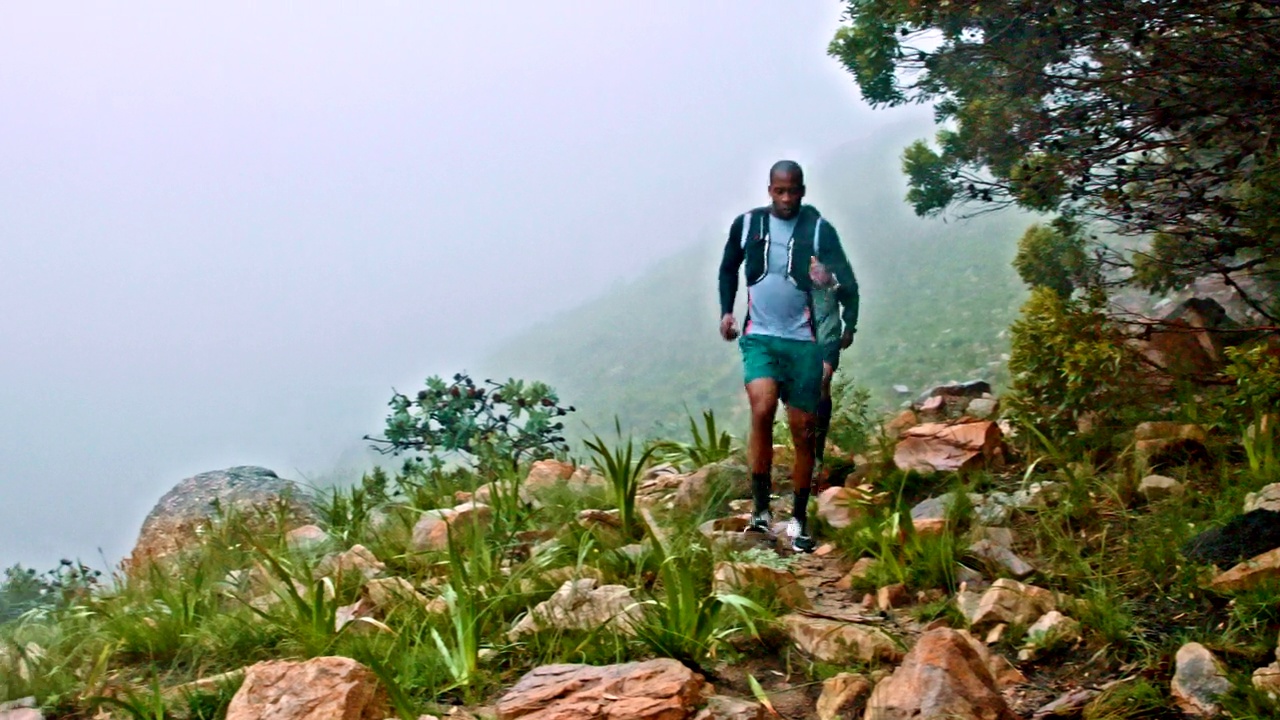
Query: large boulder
point(944, 676)
point(175, 523)
point(651, 690)
point(944, 447)
point(323, 688)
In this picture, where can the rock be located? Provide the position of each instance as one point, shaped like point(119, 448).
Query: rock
point(175, 522)
point(1000, 536)
point(544, 474)
point(727, 533)
point(860, 570)
point(942, 447)
point(1242, 537)
point(307, 537)
point(901, 422)
point(1198, 680)
point(582, 605)
point(841, 507)
point(1004, 672)
point(836, 642)
point(606, 525)
point(841, 695)
point(694, 490)
point(1267, 498)
point(1050, 632)
point(970, 389)
point(720, 707)
point(318, 689)
point(358, 560)
point(901, 389)
point(20, 709)
point(983, 408)
point(736, 577)
point(1159, 487)
point(1267, 680)
point(1068, 705)
point(1001, 556)
point(1011, 602)
point(1249, 574)
point(1168, 443)
point(651, 690)
point(968, 602)
point(944, 676)
point(434, 526)
point(379, 597)
point(893, 596)
point(933, 408)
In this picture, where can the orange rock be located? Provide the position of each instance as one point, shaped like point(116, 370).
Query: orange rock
point(944, 676)
point(943, 447)
point(651, 690)
point(323, 688)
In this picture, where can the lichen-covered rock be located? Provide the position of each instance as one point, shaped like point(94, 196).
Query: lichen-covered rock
point(1198, 680)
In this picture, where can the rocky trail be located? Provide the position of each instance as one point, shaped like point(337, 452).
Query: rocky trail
point(947, 606)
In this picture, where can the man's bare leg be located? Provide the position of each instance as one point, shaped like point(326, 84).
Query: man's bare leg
point(763, 396)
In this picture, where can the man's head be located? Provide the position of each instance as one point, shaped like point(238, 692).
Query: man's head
point(786, 188)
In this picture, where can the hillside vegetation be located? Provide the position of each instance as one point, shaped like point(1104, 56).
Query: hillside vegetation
point(937, 298)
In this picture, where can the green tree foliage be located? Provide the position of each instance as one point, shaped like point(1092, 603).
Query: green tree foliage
point(502, 423)
point(1150, 118)
point(1052, 256)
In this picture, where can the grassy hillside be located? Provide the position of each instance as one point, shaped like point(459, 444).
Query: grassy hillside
point(936, 298)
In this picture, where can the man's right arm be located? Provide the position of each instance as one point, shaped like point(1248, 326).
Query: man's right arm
point(729, 265)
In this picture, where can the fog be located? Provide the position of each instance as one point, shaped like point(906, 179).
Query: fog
point(227, 232)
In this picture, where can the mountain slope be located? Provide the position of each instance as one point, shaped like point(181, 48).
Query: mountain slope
point(936, 298)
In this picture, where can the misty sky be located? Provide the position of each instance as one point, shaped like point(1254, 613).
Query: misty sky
point(226, 232)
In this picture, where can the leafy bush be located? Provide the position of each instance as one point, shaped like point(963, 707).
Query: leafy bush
point(502, 424)
point(1068, 360)
point(852, 419)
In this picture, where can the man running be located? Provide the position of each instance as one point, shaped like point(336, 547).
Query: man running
point(788, 250)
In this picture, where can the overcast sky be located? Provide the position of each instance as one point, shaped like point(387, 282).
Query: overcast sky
point(226, 232)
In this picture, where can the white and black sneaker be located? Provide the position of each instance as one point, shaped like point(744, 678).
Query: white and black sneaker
point(761, 522)
point(800, 539)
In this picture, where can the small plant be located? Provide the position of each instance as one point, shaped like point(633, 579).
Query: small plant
point(623, 471)
point(710, 444)
point(683, 620)
point(500, 424)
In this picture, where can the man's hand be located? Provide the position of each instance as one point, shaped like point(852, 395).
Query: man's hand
point(819, 274)
point(728, 327)
point(846, 339)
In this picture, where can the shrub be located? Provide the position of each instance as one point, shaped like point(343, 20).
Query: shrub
point(501, 424)
point(1068, 359)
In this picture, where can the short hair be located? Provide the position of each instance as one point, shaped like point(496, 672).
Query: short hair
point(786, 167)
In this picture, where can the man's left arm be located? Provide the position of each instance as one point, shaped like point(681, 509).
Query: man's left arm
point(831, 253)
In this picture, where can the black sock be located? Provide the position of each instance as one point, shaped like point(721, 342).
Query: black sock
point(801, 510)
point(761, 488)
point(823, 424)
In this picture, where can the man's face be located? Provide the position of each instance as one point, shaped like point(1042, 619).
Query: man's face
point(786, 190)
